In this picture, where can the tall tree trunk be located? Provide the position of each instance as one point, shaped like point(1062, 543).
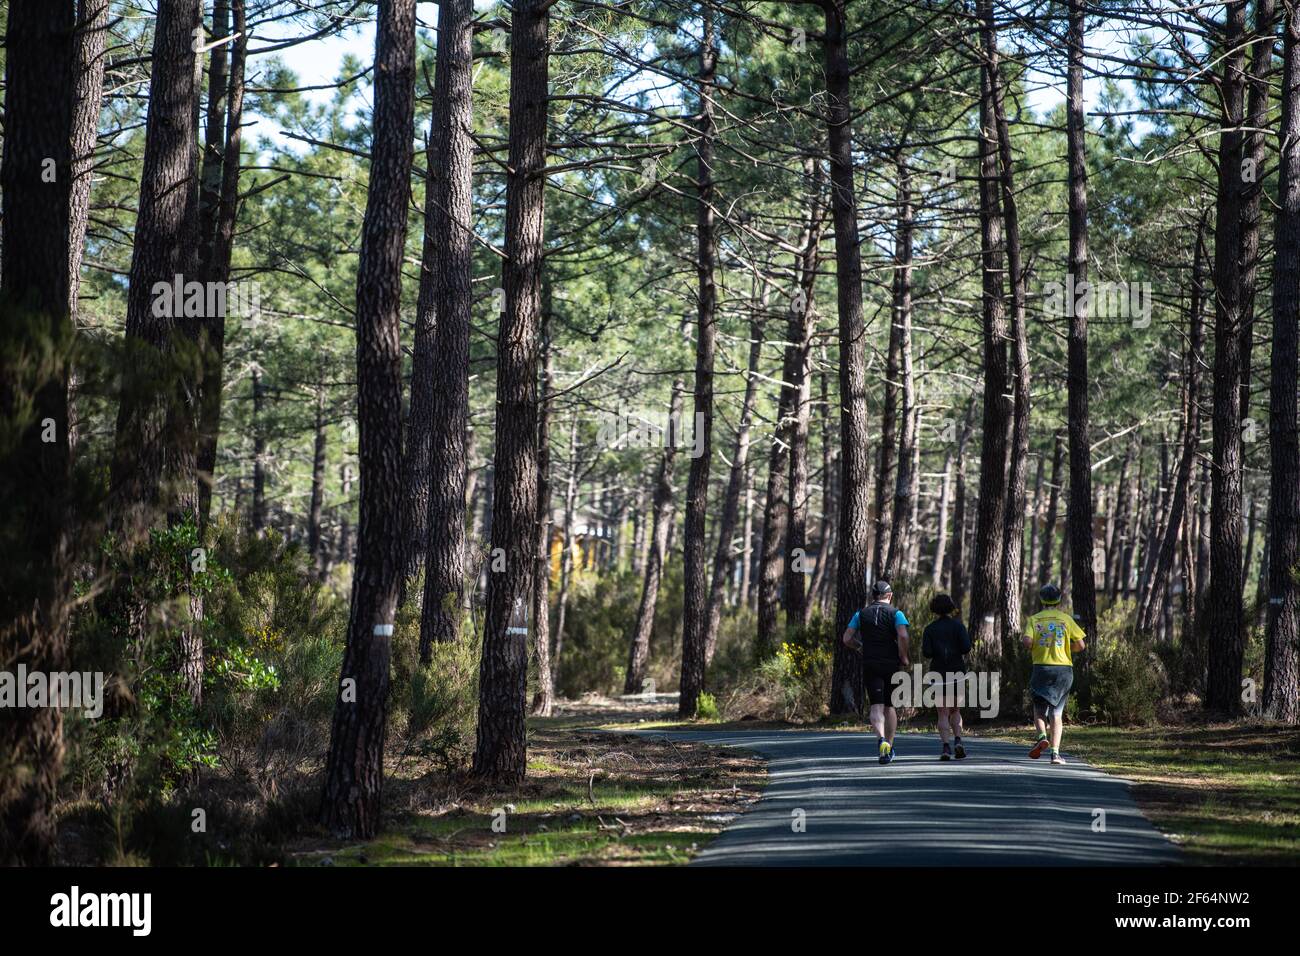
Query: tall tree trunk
point(826, 531)
point(259, 455)
point(886, 472)
point(1014, 520)
point(904, 503)
point(776, 515)
point(941, 521)
point(1282, 648)
point(911, 555)
point(1223, 623)
point(695, 608)
point(1117, 567)
point(1252, 181)
point(731, 502)
point(957, 570)
point(1053, 503)
point(544, 696)
point(566, 552)
point(215, 254)
point(855, 495)
point(34, 473)
point(317, 482)
point(1180, 497)
point(1083, 595)
point(660, 523)
point(354, 770)
point(990, 527)
point(1035, 515)
point(747, 542)
point(445, 563)
point(88, 96)
point(802, 321)
point(500, 753)
point(153, 467)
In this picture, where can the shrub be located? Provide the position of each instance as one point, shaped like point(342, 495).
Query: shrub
point(441, 705)
point(1128, 678)
point(793, 684)
point(275, 647)
point(598, 626)
point(706, 707)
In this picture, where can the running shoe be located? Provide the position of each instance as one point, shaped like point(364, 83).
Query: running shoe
point(958, 750)
point(1057, 758)
point(947, 752)
point(886, 751)
point(1042, 744)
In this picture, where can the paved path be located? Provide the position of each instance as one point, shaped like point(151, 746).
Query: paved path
point(995, 808)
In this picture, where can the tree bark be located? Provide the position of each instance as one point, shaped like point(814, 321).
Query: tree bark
point(500, 753)
point(957, 571)
point(990, 527)
point(1180, 500)
point(354, 770)
point(855, 495)
point(445, 564)
point(802, 321)
point(904, 503)
point(566, 553)
point(215, 254)
point(153, 467)
point(1053, 503)
point(1282, 647)
point(695, 608)
point(317, 483)
point(1224, 621)
point(660, 523)
point(88, 96)
point(1253, 148)
point(1083, 594)
point(35, 474)
point(1014, 520)
point(731, 502)
point(544, 696)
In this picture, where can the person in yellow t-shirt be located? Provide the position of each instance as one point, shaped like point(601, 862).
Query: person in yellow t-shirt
point(1053, 639)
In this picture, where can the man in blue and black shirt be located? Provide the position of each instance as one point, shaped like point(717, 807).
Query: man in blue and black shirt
point(879, 633)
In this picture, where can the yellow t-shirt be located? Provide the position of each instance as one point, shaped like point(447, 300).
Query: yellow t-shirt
point(1053, 632)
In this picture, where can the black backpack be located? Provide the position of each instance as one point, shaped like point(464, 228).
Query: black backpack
point(878, 632)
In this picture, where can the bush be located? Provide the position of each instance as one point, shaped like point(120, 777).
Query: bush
point(736, 653)
point(792, 685)
point(441, 705)
point(1128, 677)
point(598, 626)
point(706, 707)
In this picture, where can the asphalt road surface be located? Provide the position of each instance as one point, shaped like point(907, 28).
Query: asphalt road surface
point(830, 803)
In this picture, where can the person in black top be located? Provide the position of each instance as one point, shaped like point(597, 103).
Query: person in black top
point(879, 633)
point(946, 642)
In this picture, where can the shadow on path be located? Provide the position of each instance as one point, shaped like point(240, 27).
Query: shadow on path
point(995, 808)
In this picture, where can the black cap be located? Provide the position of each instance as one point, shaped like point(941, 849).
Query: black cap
point(1049, 594)
point(881, 588)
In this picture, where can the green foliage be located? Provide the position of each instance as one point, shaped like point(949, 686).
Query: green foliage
point(1128, 677)
point(793, 684)
point(438, 700)
point(598, 626)
point(151, 729)
point(274, 641)
point(706, 707)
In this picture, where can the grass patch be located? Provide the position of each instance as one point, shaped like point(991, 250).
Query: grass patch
point(1229, 794)
point(590, 798)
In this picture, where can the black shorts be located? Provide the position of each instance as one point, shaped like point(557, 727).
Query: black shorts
point(877, 678)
